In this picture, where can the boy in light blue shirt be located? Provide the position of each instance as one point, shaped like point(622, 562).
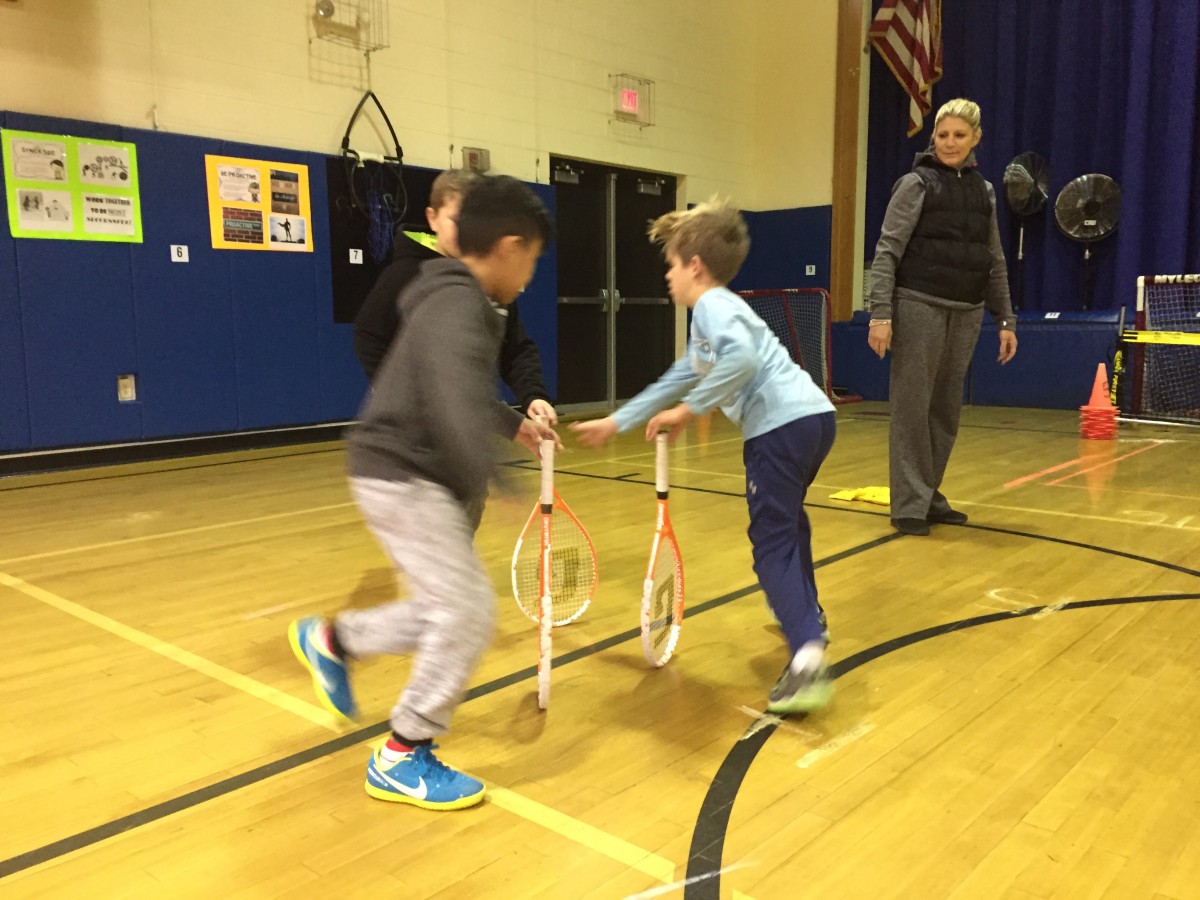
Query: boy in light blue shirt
point(734, 361)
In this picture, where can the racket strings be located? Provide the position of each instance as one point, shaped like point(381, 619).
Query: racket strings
point(572, 570)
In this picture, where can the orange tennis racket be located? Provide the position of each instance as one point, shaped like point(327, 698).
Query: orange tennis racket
point(574, 571)
point(662, 590)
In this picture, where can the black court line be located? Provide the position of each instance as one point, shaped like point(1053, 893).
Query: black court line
point(712, 822)
point(219, 789)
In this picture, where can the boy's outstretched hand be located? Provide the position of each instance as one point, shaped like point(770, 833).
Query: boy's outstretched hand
point(595, 432)
point(671, 420)
point(531, 434)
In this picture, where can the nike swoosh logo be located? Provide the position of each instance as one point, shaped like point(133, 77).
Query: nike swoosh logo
point(417, 793)
point(325, 685)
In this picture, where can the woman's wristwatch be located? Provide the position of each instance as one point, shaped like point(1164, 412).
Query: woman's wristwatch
point(875, 322)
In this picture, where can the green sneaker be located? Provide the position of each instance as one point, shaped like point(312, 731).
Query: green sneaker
point(800, 692)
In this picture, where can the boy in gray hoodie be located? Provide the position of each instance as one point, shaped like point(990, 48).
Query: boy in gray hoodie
point(419, 462)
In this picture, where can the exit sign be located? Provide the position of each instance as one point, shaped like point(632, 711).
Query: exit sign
point(632, 99)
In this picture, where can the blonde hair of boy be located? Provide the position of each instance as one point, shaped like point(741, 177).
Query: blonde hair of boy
point(451, 183)
point(959, 108)
point(714, 231)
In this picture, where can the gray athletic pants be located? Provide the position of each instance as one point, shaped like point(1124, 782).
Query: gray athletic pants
point(450, 616)
point(931, 350)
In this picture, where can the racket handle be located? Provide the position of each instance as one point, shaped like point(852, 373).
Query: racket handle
point(547, 451)
point(660, 464)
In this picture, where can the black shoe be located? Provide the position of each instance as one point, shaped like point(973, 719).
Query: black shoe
point(911, 526)
point(949, 517)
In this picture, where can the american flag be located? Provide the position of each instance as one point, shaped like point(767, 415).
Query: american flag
point(908, 35)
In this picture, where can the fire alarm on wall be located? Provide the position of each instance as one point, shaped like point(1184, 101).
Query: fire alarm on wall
point(476, 159)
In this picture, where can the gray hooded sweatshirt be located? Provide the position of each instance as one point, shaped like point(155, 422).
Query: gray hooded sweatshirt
point(433, 403)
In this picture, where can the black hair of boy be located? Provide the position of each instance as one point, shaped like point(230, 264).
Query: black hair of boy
point(498, 206)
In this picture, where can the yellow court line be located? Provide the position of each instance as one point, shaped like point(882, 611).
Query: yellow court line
point(233, 679)
point(168, 534)
point(585, 835)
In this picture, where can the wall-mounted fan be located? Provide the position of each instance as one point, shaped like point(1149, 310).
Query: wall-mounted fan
point(1087, 210)
point(1026, 187)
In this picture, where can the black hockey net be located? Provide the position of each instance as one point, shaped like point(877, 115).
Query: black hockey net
point(1167, 368)
point(800, 318)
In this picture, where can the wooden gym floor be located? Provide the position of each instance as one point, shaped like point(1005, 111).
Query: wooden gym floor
point(1015, 708)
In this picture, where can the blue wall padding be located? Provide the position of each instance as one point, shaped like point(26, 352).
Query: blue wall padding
point(1055, 365)
point(539, 304)
point(77, 325)
point(855, 366)
point(14, 393)
point(187, 380)
point(275, 319)
point(782, 243)
point(1054, 368)
point(77, 317)
point(342, 382)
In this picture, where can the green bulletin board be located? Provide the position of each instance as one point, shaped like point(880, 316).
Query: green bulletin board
point(68, 188)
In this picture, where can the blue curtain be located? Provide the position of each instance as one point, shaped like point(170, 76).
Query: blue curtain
point(1104, 86)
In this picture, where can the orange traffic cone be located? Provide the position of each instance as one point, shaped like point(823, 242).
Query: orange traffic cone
point(1100, 398)
point(1098, 419)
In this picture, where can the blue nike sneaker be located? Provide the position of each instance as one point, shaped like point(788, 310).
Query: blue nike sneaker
point(420, 778)
point(330, 678)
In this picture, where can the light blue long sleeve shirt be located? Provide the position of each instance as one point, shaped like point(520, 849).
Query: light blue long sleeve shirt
point(733, 361)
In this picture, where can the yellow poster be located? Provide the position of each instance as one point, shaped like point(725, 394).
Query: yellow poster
point(256, 205)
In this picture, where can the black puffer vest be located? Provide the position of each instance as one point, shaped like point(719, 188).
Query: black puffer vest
point(948, 255)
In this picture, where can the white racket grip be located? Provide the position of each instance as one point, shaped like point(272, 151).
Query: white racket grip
point(547, 450)
point(660, 462)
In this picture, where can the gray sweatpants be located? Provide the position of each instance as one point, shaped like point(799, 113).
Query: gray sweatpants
point(931, 350)
point(451, 614)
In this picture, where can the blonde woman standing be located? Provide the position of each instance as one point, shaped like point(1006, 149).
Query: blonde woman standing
point(937, 265)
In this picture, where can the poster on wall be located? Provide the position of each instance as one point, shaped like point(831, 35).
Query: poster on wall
point(67, 188)
point(256, 205)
